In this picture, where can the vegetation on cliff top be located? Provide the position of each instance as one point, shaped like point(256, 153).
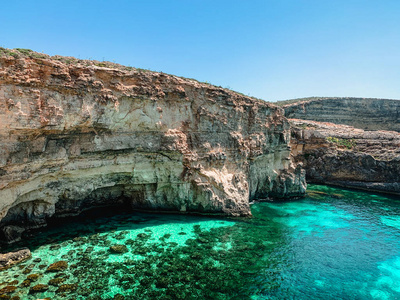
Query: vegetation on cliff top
point(347, 143)
point(69, 60)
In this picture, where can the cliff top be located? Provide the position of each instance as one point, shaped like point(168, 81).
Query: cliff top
point(20, 53)
point(312, 99)
point(381, 144)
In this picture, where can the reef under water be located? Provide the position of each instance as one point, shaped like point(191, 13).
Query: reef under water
point(333, 244)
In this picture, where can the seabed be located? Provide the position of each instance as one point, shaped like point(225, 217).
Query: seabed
point(333, 244)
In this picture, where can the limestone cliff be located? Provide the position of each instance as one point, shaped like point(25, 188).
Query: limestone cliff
point(76, 134)
point(367, 114)
point(346, 156)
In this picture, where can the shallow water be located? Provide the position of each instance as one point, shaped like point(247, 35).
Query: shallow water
point(333, 244)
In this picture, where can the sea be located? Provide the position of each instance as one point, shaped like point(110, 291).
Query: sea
point(333, 244)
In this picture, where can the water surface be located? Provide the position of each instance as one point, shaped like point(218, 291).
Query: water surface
point(333, 244)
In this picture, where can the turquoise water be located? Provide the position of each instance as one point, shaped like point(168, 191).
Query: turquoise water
point(333, 244)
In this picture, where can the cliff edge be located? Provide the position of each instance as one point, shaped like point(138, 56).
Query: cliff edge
point(346, 156)
point(363, 113)
point(349, 142)
point(77, 134)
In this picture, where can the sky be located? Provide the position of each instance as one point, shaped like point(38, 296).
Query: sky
point(270, 49)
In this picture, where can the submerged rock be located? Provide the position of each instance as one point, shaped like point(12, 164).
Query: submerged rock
point(58, 266)
point(8, 289)
point(118, 249)
point(143, 236)
point(55, 247)
point(33, 277)
point(84, 292)
point(27, 270)
point(39, 288)
point(67, 288)
point(162, 282)
point(56, 281)
point(25, 283)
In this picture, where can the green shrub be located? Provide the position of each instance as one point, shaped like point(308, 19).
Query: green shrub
point(24, 51)
point(347, 143)
point(4, 51)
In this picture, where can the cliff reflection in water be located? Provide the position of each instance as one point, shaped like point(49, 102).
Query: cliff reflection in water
point(333, 244)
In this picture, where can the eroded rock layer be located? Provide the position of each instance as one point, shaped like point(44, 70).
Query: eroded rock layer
point(367, 114)
point(346, 156)
point(77, 135)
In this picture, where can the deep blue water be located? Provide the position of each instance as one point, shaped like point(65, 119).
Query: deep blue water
point(333, 244)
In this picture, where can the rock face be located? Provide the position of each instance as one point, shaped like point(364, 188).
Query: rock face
point(345, 156)
point(77, 134)
point(7, 260)
point(367, 114)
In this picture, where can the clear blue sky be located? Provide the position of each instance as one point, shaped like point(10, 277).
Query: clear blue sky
point(271, 49)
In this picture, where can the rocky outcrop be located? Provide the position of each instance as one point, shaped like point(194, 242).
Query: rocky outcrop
point(10, 259)
point(367, 114)
point(345, 156)
point(77, 134)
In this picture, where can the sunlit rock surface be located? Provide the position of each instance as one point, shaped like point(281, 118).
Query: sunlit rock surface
point(363, 113)
point(76, 134)
point(7, 260)
point(346, 156)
